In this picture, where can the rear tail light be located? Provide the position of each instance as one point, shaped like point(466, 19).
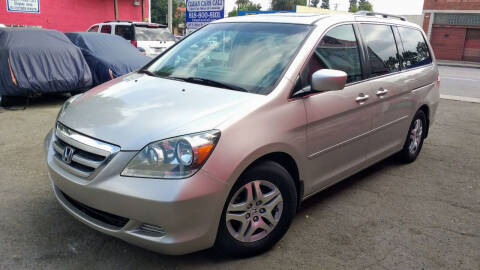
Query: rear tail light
point(134, 43)
point(438, 80)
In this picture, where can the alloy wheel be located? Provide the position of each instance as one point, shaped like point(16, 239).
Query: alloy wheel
point(254, 211)
point(416, 136)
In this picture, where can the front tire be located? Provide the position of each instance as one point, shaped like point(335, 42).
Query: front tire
point(414, 141)
point(258, 211)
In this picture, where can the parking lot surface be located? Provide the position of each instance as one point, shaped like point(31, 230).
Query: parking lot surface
point(424, 215)
point(459, 81)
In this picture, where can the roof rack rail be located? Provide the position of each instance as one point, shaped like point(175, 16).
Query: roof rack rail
point(384, 15)
point(117, 21)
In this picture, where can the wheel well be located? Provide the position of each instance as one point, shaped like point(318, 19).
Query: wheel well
point(426, 111)
point(286, 161)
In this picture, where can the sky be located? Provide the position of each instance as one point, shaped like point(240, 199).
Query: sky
point(397, 7)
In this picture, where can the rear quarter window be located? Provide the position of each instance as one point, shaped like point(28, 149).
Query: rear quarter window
point(124, 31)
point(93, 28)
point(415, 49)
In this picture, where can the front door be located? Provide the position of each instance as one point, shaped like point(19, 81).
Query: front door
point(338, 121)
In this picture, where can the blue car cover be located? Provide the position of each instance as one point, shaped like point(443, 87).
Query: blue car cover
point(34, 61)
point(105, 53)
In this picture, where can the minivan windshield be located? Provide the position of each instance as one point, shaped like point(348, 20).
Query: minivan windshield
point(242, 56)
point(145, 33)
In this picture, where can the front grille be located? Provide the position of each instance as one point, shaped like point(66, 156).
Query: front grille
point(87, 154)
point(113, 220)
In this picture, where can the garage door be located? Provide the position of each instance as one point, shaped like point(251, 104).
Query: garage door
point(471, 52)
point(448, 42)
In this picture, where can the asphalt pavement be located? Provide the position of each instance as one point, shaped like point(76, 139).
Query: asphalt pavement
point(425, 215)
point(460, 81)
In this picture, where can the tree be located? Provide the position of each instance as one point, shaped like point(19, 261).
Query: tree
point(314, 3)
point(325, 4)
point(287, 4)
point(365, 5)
point(160, 11)
point(244, 5)
point(353, 6)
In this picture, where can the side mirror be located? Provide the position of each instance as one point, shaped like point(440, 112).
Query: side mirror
point(328, 80)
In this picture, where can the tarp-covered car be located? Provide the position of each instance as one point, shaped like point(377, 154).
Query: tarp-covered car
point(109, 56)
point(35, 61)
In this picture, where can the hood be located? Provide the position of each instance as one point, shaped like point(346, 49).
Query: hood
point(136, 109)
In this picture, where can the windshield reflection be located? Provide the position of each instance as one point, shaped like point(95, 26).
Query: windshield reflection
point(249, 56)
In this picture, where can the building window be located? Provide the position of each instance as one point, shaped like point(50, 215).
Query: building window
point(457, 19)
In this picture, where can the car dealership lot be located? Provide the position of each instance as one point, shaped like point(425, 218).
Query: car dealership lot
point(393, 216)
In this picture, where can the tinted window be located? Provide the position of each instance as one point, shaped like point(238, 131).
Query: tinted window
point(338, 49)
point(93, 29)
point(143, 33)
point(382, 49)
point(252, 56)
point(107, 29)
point(415, 49)
point(124, 31)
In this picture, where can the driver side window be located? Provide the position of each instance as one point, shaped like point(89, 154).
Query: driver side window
point(339, 50)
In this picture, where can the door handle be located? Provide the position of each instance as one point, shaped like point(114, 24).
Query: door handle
point(362, 98)
point(381, 92)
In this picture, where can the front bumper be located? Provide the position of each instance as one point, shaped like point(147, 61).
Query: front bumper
point(185, 213)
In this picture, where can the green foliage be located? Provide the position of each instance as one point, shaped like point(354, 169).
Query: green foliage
point(244, 5)
point(325, 4)
point(160, 11)
point(287, 4)
point(365, 5)
point(362, 5)
point(233, 13)
point(314, 3)
point(353, 6)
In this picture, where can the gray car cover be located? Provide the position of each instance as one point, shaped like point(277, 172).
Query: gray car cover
point(107, 53)
point(34, 61)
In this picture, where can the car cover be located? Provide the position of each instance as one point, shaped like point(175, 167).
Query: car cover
point(108, 56)
point(40, 61)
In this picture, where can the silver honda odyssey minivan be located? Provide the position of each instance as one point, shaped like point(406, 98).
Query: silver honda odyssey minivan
point(216, 142)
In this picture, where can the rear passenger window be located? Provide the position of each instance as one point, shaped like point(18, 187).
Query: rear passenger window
point(382, 49)
point(415, 48)
point(93, 29)
point(338, 49)
point(124, 31)
point(107, 29)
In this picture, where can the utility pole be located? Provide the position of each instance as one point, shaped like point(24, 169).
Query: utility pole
point(115, 9)
point(170, 11)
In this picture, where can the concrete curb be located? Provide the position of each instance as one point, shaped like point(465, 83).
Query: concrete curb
point(459, 98)
point(458, 64)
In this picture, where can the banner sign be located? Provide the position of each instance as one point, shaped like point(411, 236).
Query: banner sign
point(201, 12)
point(29, 6)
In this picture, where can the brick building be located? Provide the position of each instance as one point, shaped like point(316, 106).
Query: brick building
point(71, 15)
point(453, 27)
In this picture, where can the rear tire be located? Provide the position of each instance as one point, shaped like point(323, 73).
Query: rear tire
point(260, 222)
point(414, 141)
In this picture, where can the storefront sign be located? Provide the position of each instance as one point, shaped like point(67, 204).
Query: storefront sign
point(30, 6)
point(201, 12)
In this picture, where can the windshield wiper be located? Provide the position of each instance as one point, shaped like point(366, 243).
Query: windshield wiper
point(148, 72)
point(209, 83)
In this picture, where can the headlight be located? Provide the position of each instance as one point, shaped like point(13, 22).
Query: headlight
point(174, 158)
